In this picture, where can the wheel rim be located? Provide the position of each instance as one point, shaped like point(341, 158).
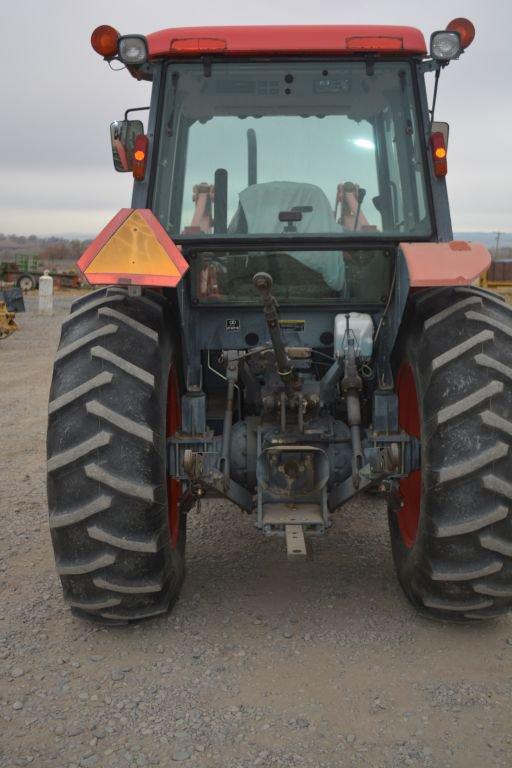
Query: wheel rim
point(26, 284)
point(410, 487)
point(173, 486)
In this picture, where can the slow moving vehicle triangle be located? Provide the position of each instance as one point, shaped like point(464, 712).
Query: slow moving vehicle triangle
point(133, 249)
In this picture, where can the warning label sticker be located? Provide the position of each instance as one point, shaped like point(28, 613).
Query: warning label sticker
point(292, 325)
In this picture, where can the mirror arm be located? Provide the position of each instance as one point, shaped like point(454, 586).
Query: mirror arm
point(134, 109)
point(434, 97)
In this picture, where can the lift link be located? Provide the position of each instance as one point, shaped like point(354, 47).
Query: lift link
point(263, 282)
point(232, 358)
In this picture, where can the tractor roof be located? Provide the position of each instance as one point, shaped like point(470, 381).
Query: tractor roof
point(266, 40)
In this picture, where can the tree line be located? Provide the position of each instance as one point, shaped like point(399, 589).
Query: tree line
point(47, 249)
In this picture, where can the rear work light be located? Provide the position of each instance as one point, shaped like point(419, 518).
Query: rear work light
point(140, 156)
point(450, 43)
point(104, 40)
point(133, 49)
point(445, 46)
point(439, 154)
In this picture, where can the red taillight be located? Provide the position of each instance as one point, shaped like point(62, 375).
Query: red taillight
point(197, 44)
point(104, 41)
point(374, 43)
point(439, 154)
point(140, 156)
point(466, 31)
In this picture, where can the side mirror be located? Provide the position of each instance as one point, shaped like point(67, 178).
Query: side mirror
point(122, 137)
point(443, 128)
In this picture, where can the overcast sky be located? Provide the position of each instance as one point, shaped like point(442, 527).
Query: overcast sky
point(58, 98)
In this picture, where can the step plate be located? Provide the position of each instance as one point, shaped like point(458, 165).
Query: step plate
point(292, 514)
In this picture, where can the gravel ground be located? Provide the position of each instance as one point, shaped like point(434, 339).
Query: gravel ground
point(261, 663)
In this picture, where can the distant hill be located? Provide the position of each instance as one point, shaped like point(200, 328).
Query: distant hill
point(67, 248)
point(82, 236)
point(486, 238)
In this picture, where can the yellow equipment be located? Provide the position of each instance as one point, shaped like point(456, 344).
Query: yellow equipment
point(7, 323)
point(499, 278)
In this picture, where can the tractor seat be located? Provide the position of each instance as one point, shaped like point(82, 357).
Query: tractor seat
point(258, 214)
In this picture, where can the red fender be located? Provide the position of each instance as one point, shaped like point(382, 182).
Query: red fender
point(437, 264)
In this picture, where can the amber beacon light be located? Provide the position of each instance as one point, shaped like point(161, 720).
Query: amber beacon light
point(105, 40)
point(466, 30)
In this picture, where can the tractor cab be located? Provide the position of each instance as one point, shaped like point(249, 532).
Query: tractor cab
point(270, 147)
point(283, 156)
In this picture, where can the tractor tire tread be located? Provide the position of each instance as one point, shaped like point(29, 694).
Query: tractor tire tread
point(107, 458)
point(71, 395)
point(91, 305)
point(458, 344)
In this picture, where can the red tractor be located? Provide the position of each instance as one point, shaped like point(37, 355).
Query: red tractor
point(284, 320)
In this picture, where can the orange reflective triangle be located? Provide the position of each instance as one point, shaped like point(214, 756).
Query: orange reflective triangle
point(133, 249)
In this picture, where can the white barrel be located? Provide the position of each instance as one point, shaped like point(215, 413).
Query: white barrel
point(46, 294)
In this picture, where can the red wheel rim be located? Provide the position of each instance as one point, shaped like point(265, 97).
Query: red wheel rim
point(410, 486)
point(172, 426)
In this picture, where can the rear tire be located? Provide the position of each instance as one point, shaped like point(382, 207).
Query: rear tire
point(107, 472)
point(451, 526)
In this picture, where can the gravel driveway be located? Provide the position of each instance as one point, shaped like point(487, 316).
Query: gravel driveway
point(262, 662)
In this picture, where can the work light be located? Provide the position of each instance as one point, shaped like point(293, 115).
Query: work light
point(133, 49)
point(445, 45)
